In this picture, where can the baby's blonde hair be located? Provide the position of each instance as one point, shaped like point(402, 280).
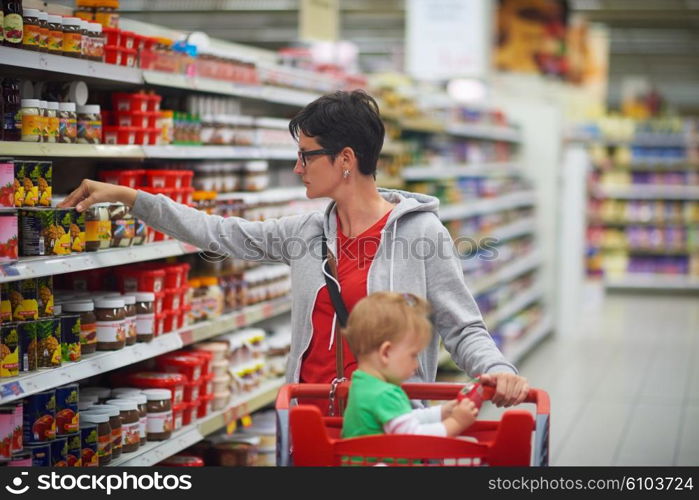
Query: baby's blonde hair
point(386, 316)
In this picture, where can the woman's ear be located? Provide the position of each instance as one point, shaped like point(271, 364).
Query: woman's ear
point(384, 350)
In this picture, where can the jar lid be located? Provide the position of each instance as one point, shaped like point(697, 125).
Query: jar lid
point(157, 379)
point(71, 21)
point(78, 92)
point(66, 106)
point(83, 24)
point(42, 104)
point(101, 392)
point(212, 346)
point(89, 398)
point(89, 109)
point(117, 391)
point(55, 19)
point(139, 397)
point(124, 404)
point(30, 12)
point(84, 405)
point(157, 394)
point(111, 410)
point(52, 105)
point(182, 461)
point(180, 360)
point(128, 298)
point(79, 306)
point(145, 296)
point(93, 417)
point(43, 16)
point(30, 103)
point(109, 303)
point(94, 27)
point(87, 425)
point(57, 309)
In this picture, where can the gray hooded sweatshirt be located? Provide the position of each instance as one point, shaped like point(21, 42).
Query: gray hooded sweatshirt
point(415, 255)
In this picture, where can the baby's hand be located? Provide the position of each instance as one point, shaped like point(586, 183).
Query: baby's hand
point(448, 407)
point(465, 412)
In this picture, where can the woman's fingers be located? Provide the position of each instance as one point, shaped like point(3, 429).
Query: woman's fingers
point(78, 195)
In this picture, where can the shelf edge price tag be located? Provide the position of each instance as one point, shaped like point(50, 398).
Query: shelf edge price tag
point(187, 337)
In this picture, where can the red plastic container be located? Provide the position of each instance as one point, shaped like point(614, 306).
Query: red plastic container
point(119, 135)
point(170, 317)
point(154, 103)
point(107, 118)
point(141, 280)
point(131, 118)
point(152, 116)
point(186, 176)
point(180, 319)
point(184, 363)
point(158, 380)
point(142, 136)
point(187, 196)
point(159, 324)
point(112, 36)
point(149, 43)
point(154, 135)
point(112, 54)
point(206, 385)
point(128, 57)
point(130, 178)
point(206, 357)
point(173, 277)
point(139, 41)
point(127, 39)
point(178, 195)
point(205, 405)
point(190, 410)
point(177, 414)
point(129, 102)
point(157, 178)
point(191, 391)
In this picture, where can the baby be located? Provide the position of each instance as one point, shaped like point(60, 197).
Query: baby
point(386, 331)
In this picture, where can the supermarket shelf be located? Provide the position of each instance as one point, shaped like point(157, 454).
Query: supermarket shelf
point(82, 68)
point(395, 182)
point(102, 362)
point(511, 308)
point(489, 132)
point(69, 150)
point(34, 267)
point(660, 252)
point(624, 223)
point(220, 152)
point(653, 282)
point(515, 350)
point(414, 173)
point(508, 272)
point(653, 164)
point(487, 205)
point(650, 192)
point(393, 148)
point(154, 452)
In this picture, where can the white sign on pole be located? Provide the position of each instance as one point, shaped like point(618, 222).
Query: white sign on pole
point(447, 38)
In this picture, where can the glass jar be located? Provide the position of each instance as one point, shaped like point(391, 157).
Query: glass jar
point(13, 24)
point(43, 31)
point(85, 9)
point(88, 324)
point(44, 121)
point(142, 402)
point(104, 434)
point(130, 423)
point(114, 423)
point(96, 52)
point(72, 37)
point(52, 121)
point(31, 36)
point(85, 40)
point(32, 122)
point(106, 13)
point(123, 225)
point(89, 124)
point(67, 123)
point(55, 41)
point(145, 316)
point(130, 311)
point(111, 324)
point(159, 421)
point(98, 227)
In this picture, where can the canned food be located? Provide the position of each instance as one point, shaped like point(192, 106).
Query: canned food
point(21, 459)
point(23, 300)
point(67, 416)
point(70, 337)
point(5, 304)
point(44, 288)
point(48, 347)
point(9, 350)
point(28, 346)
point(39, 417)
point(37, 229)
point(88, 439)
point(7, 422)
point(9, 250)
point(65, 228)
point(45, 183)
point(74, 455)
point(77, 232)
point(59, 452)
point(40, 453)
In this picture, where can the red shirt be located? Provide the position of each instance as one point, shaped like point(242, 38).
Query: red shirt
point(354, 259)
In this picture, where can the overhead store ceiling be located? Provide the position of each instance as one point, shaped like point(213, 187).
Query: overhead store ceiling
point(658, 39)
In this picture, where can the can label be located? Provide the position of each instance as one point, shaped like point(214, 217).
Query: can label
point(28, 346)
point(59, 452)
point(41, 455)
point(6, 430)
point(14, 28)
point(70, 337)
point(45, 296)
point(67, 418)
point(159, 422)
point(77, 232)
point(39, 417)
point(130, 433)
point(74, 456)
point(89, 442)
point(9, 350)
point(48, 347)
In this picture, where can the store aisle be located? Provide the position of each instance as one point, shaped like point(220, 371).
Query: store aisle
point(625, 389)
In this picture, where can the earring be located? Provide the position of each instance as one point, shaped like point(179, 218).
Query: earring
point(345, 174)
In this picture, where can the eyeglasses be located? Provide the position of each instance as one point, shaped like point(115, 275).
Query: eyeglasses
point(316, 152)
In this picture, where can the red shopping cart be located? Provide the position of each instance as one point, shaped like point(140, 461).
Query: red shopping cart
point(307, 438)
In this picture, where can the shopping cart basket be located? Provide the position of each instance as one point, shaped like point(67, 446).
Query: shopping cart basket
point(306, 438)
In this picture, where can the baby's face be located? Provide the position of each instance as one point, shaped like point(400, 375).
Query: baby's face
point(403, 357)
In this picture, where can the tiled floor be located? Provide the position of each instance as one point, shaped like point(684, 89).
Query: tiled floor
point(625, 389)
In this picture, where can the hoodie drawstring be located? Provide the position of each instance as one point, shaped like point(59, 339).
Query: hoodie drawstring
point(393, 255)
point(332, 330)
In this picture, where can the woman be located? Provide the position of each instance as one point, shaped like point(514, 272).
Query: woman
point(379, 239)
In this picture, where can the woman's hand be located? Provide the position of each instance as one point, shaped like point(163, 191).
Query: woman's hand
point(510, 389)
point(90, 192)
point(448, 407)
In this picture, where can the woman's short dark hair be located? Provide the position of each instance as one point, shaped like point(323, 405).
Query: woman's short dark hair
point(344, 119)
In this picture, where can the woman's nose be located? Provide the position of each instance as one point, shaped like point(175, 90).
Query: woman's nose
point(298, 167)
